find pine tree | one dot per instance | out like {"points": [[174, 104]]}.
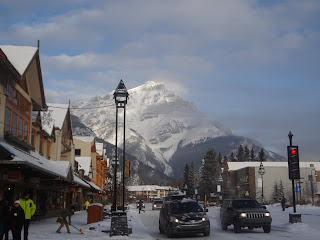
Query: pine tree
{"points": [[262, 157], [232, 158], [240, 154], [191, 184], [275, 194], [246, 154], [252, 155], [219, 159], [281, 190], [225, 159], [209, 174]]}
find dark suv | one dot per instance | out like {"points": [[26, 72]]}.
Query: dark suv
{"points": [[180, 216], [244, 212]]}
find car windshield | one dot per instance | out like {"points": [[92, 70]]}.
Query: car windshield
{"points": [[185, 207], [158, 202], [246, 204]]}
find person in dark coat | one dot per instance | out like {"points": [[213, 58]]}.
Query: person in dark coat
{"points": [[140, 206], [283, 203], [17, 220], [62, 219], [4, 217]]}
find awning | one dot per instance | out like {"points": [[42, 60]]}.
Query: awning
{"points": [[77, 180], [33, 160], [94, 186]]}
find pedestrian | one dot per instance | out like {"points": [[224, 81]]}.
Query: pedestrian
{"points": [[283, 203], [86, 204], [17, 218], [4, 217], [29, 209], [62, 219], [140, 205]]}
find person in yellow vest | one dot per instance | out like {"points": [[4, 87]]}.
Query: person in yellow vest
{"points": [[29, 209], [86, 204]]}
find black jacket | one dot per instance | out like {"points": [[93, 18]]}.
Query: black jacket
{"points": [[4, 211], [17, 216]]}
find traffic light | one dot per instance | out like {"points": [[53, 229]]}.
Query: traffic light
{"points": [[293, 162], [127, 169]]}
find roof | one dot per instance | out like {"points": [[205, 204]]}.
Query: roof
{"points": [[85, 139], [84, 163], [54, 116], [57, 168], [81, 182], [93, 185], [144, 188], [99, 148], [19, 56], [232, 166]]}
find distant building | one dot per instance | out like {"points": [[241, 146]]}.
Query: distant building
{"points": [[240, 178]]}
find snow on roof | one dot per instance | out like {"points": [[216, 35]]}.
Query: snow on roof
{"points": [[59, 168], [85, 139], [84, 163], [81, 182], [153, 188], [232, 166], [19, 56], [94, 186], [57, 112], [99, 148]]}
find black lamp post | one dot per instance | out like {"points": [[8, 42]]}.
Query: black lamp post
{"points": [[121, 97], [261, 172]]}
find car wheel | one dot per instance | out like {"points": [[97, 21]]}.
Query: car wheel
{"points": [[237, 228], [160, 229], [267, 228], [168, 231], [206, 234], [224, 226]]}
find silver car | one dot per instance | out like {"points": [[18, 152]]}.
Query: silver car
{"points": [[157, 204]]}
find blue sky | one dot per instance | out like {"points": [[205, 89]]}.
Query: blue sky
{"points": [[252, 65]]}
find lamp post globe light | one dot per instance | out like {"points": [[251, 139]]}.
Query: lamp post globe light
{"points": [[120, 96], [261, 172]]}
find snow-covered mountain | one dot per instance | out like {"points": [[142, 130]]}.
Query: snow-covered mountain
{"points": [[160, 127]]}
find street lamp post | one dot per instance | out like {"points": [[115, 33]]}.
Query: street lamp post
{"points": [[120, 96], [261, 172]]}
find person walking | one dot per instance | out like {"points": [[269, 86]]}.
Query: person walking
{"points": [[62, 219], [283, 203], [4, 217], [29, 209], [140, 206], [86, 204], [17, 218]]}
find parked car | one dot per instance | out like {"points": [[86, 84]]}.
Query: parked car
{"points": [[244, 212], [182, 216], [137, 203], [157, 204]]}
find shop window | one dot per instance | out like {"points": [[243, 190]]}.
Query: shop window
{"points": [[17, 114], [77, 152]]}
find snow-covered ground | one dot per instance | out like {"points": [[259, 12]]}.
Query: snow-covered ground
{"points": [[145, 226]]}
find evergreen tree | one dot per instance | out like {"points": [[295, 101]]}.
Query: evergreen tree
{"points": [[219, 159], [209, 174], [225, 159], [252, 155], [191, 184], [246, 154], [275, 194], [232, 158], [240, 154], [262, 157], [281, 189]]}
